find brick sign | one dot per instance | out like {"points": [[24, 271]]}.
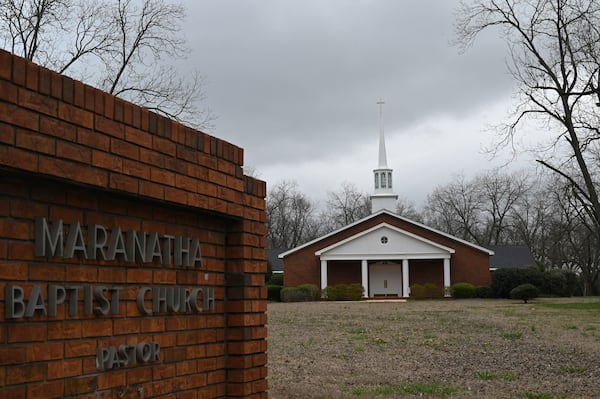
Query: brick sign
{"points": [[132, 252]]}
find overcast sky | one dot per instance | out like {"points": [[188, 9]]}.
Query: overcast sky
{"points": [[295, 83]]}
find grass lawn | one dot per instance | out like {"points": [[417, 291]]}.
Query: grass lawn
{"points": [[549, 348]]}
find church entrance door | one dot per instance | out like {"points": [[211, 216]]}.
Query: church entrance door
{"points": [[385, 279]]}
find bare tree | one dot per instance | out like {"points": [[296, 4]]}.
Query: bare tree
{"points": [[534, 223], [584, 257], [481, 210], [26, 23], [498, 195], [455, 209], [123, 47], [289, 216], [578, 246], [555, 60], [346, 206], [549, 219], [408, 210]]}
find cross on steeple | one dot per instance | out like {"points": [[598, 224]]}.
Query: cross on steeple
{"points": [[383, 196]]}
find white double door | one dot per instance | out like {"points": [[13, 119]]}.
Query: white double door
{"points": [[385, 279]]}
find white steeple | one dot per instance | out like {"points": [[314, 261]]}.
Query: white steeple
{"points": [[383, 197], [382, 152]]}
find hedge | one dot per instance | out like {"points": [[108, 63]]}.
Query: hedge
{"points": [[301, 293], [559, 282], [464, 290], [504, 280], [484, 292], [344, 292], [432, 290], [428, 290], [274, 292], [554, 282]]}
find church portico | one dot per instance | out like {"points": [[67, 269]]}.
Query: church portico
{"points": [[381, 260], [387, 277]]}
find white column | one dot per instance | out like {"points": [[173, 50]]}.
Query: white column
{"points": [[323, 274], [447, 292], [364, 272], [405, 281]]}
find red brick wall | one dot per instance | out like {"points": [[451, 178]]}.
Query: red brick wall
{"points": [[302, 267], [69, 151], [343, 272], [467, 264], [427, 271]]}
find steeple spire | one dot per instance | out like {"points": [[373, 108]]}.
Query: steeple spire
{"points": [[382, 152], [383, 196]]}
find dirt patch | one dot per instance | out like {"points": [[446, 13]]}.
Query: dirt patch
{"points": [[433, 349]]}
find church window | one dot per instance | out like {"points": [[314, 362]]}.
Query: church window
{"points": [[383, 185], [384, 240], [390, 179], [376, 180]]}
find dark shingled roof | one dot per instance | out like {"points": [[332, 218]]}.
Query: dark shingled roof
{"points": [[506, 256], [273, 259]]}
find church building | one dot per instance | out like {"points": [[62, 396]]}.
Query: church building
{"points": [[385, 252]]}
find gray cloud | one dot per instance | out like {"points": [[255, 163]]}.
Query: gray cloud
{"points": [[297, 81]]}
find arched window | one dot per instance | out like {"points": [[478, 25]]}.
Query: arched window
{"points": [[390, 179], [383, 180], [376, 180]]}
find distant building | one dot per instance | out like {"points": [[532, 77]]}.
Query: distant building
{"points": [[274, 261], [385, 252], [509, 256]]}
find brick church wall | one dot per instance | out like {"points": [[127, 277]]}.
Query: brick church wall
{"points": [[468, 264], [428, 272], [73, 154], [343, 272]]}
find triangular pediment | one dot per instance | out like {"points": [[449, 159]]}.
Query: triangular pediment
{"points": [[384, 241], [380, 214]]}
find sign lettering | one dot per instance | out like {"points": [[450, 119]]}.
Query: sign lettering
{"points": [[55, 239], [102, 300]]}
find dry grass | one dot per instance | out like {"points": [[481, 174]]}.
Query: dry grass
{"points": [[434, 349]]}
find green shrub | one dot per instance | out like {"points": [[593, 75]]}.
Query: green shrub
{"points": [[557, 282], [463, 290], [293, 294], [524, 292], [554, 282], [274, 292], [504, 280], [484, 292], [312, 290], [424, 291], [573, 285], [344, 292], [301, 293], [276, 279], [418, 291], [432, 290]]}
